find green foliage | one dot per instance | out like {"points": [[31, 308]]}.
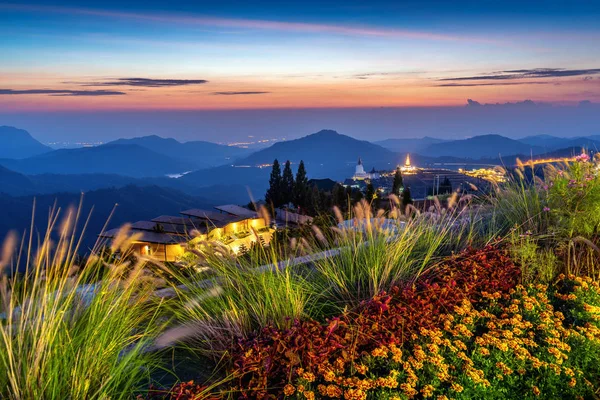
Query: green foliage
{"points": [[72, 331], [238, 301], [274, 196], [574, 198], [521, 204], [287, 182], [538, 263], [398, 182], [301, 189], [406, 197]]}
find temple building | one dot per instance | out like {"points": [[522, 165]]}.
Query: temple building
{"points": [[408, 168], [360, 174]]}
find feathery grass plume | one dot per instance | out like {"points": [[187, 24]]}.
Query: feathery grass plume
{"points": [[319, 235], [371, 259], [452, 200], [79, 336], [338, 214], [264, 213], [248, 298]]}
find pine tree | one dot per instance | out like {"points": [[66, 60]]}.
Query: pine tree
{"points": [[446, 186], [301, 189], [370, 194], [398, 182], [273, 196], [357, 195], [287, 182], [406, 197], [339, 197]]}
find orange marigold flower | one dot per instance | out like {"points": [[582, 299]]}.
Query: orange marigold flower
{"points": [[289, 390], [334, 391], [573, 382], [361, 368], [536, 391], [427, 391], [309, 376], [456, 387]]}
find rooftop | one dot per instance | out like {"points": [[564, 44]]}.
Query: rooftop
{"points": [[148, 236], [237, 211]]}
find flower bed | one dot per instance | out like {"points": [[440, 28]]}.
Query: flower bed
{"points": [[466, 330], [268, 362]]}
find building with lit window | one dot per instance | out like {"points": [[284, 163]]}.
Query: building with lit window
{"points": [[166, 237]]}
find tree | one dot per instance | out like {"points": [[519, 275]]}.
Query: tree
{"points": [[398, 182], [273, 195], [287, 183], [357, 195], [339, 196], [370, 193], [406, 198], [446, 186], [301, 189]]}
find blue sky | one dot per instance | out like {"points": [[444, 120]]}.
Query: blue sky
{"points": [[92, 56]]}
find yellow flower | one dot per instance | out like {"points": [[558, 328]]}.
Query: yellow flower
{"points": [[456, 387], [309, 395], [309, 376], [361, 369], [380, 352], [573, 382], [427, 391], [334, 391], [536, 391], [289, 390]]}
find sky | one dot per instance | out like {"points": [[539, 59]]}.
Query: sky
{"points": [[144, 63]]}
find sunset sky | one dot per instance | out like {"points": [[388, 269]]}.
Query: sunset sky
{"points": [[221, 55]]}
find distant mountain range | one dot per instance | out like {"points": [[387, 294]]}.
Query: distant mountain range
{"points": [[127, 159], [489, 146], [485, 146], [134, 203], [413, 145], [324, 148], [228, 173], [18, 143], [200, 154], [133, 172]]}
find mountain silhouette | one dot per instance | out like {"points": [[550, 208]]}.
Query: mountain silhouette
{"points": [[18, 143], [324, 148], [127, 160], [200, 154], [484, 146], [411, 145]]}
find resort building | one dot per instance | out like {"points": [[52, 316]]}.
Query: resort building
{"points": [[166, 237]]}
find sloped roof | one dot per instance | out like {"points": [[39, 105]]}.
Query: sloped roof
{"points": [[204, 214], [237, 210], [148, 236]]}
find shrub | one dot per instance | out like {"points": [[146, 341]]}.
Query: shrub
{"points": [[574, 198]]}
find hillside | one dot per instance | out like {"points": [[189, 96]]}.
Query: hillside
{"points": [[484, 146], [18, 143], [134, 203], [14, 183], [550, 143], [411, 145], [326, 148], [127, 160], [201, 154]]}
